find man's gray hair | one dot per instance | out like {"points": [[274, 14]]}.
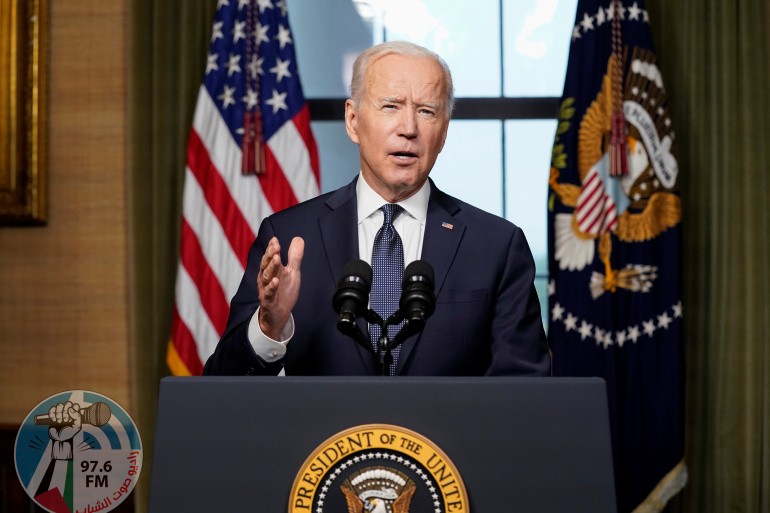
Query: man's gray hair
{"points": [[370, 55]]}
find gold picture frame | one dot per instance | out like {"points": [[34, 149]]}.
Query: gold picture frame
{"points": [[22, 112]]}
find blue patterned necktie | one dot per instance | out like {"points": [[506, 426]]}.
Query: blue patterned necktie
{"points": [[388, 270]]}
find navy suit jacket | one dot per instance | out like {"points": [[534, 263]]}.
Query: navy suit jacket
{"points": [[487, 318]]}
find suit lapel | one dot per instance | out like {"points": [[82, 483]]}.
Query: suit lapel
{"points": [[339, 231], [443, 233]]}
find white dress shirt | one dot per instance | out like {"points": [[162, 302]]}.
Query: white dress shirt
{"points": [[410, 224]]}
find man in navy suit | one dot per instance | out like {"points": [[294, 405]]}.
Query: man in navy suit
{"points": [[487, 316]]}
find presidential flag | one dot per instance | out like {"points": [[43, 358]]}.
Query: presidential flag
{"points": [[250, 153], [614, 228]]}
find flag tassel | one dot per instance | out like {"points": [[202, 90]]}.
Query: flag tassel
{"points": [[617, 149], [253, 146], [618, 146]]}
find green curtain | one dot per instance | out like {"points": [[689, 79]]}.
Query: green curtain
{"points": [[715, 60], [167, 56]]}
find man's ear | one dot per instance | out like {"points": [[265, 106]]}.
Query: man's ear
{"points": [[443, 137], [351, 121]]}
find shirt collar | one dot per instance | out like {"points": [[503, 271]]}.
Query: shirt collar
{"points": [[369, 201]]}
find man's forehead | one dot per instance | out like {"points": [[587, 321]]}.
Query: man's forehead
{"points": [[396, 64], [424, 78]]}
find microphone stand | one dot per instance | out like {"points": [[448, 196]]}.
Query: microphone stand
{"points": [[384, 344], [386, 358], [347, 325]]}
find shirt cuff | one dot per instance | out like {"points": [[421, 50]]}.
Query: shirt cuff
{"points": [[265, 347]]}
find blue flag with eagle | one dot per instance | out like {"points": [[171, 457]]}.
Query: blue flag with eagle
{"points": [[614, 228]]}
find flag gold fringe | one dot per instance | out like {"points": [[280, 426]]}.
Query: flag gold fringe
{"points": [[175, 363], [670, 485]]}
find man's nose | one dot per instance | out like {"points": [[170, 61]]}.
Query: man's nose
{"points": [[408, 123]]}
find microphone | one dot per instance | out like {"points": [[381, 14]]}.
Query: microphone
{"points": [[351, 299], [418, 299], [98, 414]]}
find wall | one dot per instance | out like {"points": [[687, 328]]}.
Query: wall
{"points": [[63, 287]]}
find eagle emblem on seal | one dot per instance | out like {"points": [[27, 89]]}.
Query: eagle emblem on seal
{"points": [[634, 207], [378, 490]]}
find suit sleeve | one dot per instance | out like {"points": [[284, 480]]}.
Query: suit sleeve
{"points": [[519, 344], [234, 354]]}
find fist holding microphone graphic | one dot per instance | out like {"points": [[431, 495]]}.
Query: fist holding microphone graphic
{"points": [[66, 420]]}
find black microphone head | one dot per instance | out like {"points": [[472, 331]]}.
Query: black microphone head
{"points": [[418, 289], [352, 295], [359, 269], [419, 270]]}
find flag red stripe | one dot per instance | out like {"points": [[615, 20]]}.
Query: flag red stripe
{"points": [[598, 219], [609, 211], [591, 193], [276, 187], [185, 345], [604, 220], [302, 122], [592, 225], [588, 213], [593, 180], [212, 295], [218, 197], [589, 207]]}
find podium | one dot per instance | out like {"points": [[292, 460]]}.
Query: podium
{"points": [[237, 444]]}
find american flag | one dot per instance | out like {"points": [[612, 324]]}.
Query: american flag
{"points": [[251, 71]]}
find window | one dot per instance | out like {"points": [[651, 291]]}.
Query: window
{"points": [[508, 60]]}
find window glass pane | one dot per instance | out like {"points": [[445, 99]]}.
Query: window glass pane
{"points": [[470, 167], [337, 153], [328, 35], [536, 41], [466, 35], [527, 166], [325, 54]]}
